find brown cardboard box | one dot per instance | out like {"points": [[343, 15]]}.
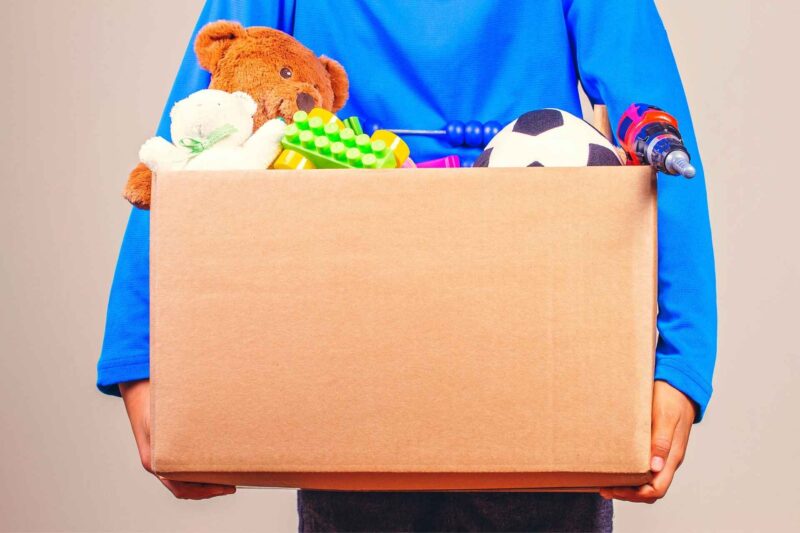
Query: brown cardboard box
{"points": [[397, 329]]}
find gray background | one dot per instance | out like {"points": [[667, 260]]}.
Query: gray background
{"points": [[84, 83]]}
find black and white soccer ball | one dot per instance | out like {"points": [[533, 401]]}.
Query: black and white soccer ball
{"points": [[548, 138]]}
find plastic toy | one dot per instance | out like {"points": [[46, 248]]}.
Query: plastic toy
{"points": [[649, 135], [326, 142], [326, 116], [451, 161], [548, 138], [396, 145], [473, 134], [291, 160], [354, 124]]}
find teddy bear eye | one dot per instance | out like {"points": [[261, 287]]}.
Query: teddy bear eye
{"points": [[286, 72]]}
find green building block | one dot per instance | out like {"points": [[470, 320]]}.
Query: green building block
{"points": [[354, 124], [327, 146]]}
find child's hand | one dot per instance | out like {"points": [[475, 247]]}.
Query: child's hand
{"points": [[137, 402], [673, 416]]}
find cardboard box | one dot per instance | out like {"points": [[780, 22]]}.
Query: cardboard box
{"points": [[395, 329]]}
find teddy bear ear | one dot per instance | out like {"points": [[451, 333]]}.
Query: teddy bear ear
{"points": [[339, 82], [214, 40], [247, 102]]}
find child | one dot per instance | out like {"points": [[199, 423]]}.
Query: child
{"points": [[419, 64]]}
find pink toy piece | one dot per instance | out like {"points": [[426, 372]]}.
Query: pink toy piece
{"points": [[451, 161], [408, 163]]}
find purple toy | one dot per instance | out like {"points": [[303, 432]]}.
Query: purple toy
{"points": [[451, 161]]}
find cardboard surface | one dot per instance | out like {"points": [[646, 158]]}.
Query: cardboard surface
{"points": [[397, 329]]}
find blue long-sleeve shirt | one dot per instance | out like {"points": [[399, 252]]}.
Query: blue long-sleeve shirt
{"points": [[419, 64]]}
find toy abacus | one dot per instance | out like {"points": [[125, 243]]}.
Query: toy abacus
{"points": [[472, 134]]}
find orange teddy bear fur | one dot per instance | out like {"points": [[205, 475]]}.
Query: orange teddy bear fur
{"points": [[279, 73]]}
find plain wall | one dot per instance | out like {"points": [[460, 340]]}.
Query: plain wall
{"points": [[83, 85]]}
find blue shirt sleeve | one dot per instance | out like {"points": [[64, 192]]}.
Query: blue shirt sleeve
{"points": [[125, 355], [624, 56]]}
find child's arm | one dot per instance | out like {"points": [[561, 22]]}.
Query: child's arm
{"points": [[624, 56], [125, 356]]}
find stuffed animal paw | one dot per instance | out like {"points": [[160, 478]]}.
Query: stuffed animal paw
{"points": [[159, 154]]}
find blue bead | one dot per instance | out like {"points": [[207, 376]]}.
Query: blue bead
{"points": [[490, 129], [473, 134], [455, 133]]}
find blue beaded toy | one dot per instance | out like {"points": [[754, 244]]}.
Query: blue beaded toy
{"points": [[473, 134]]}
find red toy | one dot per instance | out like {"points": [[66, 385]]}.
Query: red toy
{"points": [[649, 135]]}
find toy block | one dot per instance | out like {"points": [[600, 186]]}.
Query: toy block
{"points": [[326, 116], [395, 144], [354, 124], [291, 160], [325, 145]]}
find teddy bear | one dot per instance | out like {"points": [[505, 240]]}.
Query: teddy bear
{"points": [[213, 130], [274, 68]]}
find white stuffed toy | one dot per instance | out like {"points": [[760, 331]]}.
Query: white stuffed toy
{"points": [[213, 130]]}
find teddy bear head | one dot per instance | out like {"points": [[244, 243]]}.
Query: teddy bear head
{"points": [[279, 73], [210, 110]]}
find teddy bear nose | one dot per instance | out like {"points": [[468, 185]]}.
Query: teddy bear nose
{"points": [[305, 102]]}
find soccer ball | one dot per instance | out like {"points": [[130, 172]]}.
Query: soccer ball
{"points": [[548, 138]]}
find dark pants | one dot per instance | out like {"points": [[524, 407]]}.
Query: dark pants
{"points": [[452, 511]]}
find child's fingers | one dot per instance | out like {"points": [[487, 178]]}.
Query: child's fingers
{"points": [[659, 485], [663, 431], [662, 480], [630, 494], [196, 491], [649, 493]]}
